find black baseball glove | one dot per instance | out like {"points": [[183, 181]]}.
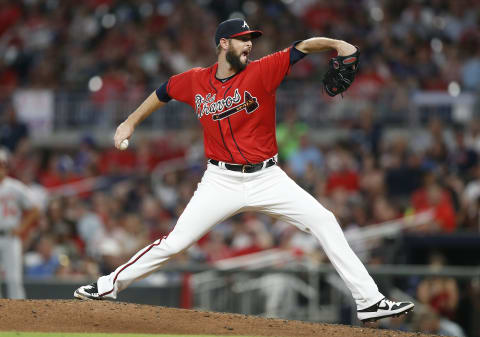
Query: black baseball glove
{"points": [[341, 73]]}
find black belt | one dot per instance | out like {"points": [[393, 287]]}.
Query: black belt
{"points": [[5, 232], [247, 168]]}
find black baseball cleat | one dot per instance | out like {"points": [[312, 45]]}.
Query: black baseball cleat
{"points": [[384, 308], [88, 292]]}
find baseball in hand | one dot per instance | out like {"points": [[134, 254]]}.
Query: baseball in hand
{"points": [[124, 144]]}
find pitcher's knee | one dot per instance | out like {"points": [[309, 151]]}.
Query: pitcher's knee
{"points": [[326, 218], [331, 217]]}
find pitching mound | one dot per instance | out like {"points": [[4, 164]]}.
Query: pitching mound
{"points": [[105, 316]]}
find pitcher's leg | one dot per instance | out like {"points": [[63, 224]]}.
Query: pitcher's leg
{"points": [[288, 201], [216, 199], [13, 269]]}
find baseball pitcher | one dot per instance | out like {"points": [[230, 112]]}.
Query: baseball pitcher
{"points": [[17, 214], [234, 101]]}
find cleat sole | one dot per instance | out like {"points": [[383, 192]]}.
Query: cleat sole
{"points": [[374, 319], [80, 296]]}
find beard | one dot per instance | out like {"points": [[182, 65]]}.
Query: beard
{"points": [[234, 61]]}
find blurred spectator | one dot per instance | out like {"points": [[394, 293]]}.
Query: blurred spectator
{"points": [[464, 158], [43, 262], [301, 243], [216, 247], [372, 179], [437, 140], [114, 83], [86, 158], [471, 72], [249, 235], [368, 132], [472, 135], [117, 163], [368, 83], [310, 179], [431, 323], [136, 232], [383, 210], [60, 171], [167, 191], [341, 166], [289, 133], [471, 201], [403, 171], [306, 154], [439, 293], [56, 217], [433, 196], [111, 245], [10, 14], [88, 224], [155, 217], [91, 43], [12, 131]]}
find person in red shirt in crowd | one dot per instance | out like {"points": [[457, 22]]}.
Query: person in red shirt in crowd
{"points": [[433, 196], [10, 14], [60, 171], [439, 293], [342, 175]]}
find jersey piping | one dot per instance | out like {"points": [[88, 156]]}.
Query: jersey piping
{"points": [[231, 130], [218, 122], [233, 137], [223, 139]]}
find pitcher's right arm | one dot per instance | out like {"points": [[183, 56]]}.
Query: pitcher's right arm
{"points": [[126, 128]]}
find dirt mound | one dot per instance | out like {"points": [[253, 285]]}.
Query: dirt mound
{"points": [[106, 316]]}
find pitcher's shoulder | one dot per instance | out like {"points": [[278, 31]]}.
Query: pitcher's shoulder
{"points": [[203, 70]]}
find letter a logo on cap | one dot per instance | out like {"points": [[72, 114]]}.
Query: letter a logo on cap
{"points": [[245, 25]]}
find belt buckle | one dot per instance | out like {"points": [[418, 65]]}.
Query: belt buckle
{"points": [[246, 166]]}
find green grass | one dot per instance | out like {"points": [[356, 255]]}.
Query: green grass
{"points": [[68, 334]]}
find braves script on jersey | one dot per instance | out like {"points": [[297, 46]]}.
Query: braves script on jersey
{"points": [[238, 115]]}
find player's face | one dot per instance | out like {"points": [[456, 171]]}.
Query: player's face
{"points": [[238, 51]]}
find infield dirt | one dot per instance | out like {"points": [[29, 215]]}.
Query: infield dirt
{"points": [[106, 316]]}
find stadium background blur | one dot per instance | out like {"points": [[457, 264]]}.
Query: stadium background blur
{"points": [[405, 138]]}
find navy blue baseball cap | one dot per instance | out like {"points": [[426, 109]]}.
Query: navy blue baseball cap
{"points": [[234, 28]]}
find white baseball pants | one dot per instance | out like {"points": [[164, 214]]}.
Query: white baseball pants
{"points": [[11, 263], [223, 193]]}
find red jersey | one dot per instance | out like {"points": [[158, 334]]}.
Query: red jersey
{"points": [[237, 115]]}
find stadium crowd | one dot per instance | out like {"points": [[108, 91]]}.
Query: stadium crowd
{"points": [[100, 205], [411, 44]]}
